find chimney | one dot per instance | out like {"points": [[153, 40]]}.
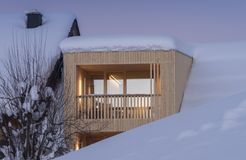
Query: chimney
{"points": [[34, 19]]}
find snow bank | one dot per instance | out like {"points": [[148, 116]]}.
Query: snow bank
{"points": [[218, 71], [122, 43], [212, 131]]}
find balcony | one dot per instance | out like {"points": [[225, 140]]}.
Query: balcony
{"points": [[117, 91], [130, 106]]}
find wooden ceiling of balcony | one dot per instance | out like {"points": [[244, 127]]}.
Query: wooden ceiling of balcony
{"points": [[116, 67]]}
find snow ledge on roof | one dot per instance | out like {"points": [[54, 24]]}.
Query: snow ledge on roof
{"points": [[122, 43]]}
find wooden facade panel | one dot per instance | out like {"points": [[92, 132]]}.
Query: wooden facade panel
{"points": [[116, 125], [167, 86], [139, 57], [69, 94], [183, 66], [172, 81]]}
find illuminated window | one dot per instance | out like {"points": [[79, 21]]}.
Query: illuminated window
{"points": [[115, 84]]}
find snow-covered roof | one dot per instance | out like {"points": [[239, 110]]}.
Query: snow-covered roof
{"points": [[122, 43], [55, 28], [215, 131]]}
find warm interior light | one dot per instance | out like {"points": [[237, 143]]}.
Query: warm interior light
{"points": [[80, 87], [80, 101], [111, 77], [77, 145]]}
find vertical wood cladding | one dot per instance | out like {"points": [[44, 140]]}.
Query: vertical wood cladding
{"points": [[174, 68]]}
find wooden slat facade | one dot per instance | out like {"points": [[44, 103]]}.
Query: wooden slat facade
{"points": [[172, 67]]}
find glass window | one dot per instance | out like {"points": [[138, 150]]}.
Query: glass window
{"points": [[120, 79], [138, 83], [115, 83], [97, 86]]}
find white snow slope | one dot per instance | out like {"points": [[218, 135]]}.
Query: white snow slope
{"points": [[216, 131], [212, 124], [218, 71]]}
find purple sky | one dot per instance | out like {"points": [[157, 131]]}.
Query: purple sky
{"points": [[188, 20]]}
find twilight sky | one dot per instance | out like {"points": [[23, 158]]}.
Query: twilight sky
{"points": [[188, 20]]}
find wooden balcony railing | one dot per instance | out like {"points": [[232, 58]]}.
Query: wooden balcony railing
{"points": [[137, 106]]}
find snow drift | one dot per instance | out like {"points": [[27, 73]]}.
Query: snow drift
{"points": [[218, 71], [212, 131]]}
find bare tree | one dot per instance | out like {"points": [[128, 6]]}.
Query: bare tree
{"points": [[32, 106]]}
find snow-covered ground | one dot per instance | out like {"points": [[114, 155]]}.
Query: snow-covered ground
{"points": [[214, 131], [212, 124]]}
